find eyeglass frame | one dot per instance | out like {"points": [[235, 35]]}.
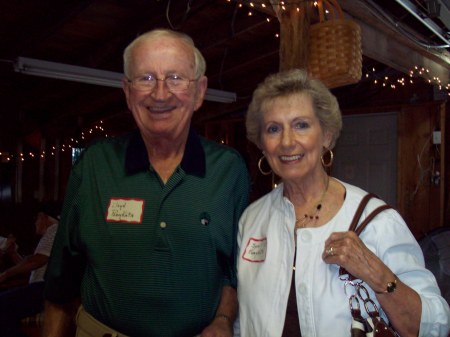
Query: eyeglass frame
{"points": [[188, 81]]}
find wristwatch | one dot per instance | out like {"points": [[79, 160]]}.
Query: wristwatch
{"points": [[390, 287]]}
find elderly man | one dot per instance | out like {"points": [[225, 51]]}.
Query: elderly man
{"points": [[147, 238]]}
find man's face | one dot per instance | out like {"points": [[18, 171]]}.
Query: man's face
{"points": [[41, 223], [160, 112]]}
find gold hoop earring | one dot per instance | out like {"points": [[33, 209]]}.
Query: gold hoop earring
{"points": [[330, 162], [266, 173]]}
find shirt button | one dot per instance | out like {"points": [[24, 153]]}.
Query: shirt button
{"points": [[163, 225], [306, 236], [302, 289]]}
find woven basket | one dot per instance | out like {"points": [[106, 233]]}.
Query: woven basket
{"points": [[335, 55]]}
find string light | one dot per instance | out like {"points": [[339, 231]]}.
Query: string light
{"points": [[96, 130], [416, 72]]}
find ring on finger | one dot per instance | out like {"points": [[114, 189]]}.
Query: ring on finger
{"points": [[330, 251]]}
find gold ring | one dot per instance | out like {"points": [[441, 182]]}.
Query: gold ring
{"points": [[330, 251]]}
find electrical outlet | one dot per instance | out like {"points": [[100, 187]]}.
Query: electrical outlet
{"points": [[435, 178], [436, 137]]}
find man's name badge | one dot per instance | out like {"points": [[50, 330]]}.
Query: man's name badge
{"points": [[125, 210]]}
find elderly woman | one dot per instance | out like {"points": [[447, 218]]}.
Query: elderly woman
{"points": [[294, 240]]}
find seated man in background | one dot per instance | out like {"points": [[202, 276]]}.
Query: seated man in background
{"points": [[8, 252], [28, 300]]}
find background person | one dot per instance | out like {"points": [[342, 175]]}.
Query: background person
{"points": [[9, 252], [148, 230], [28, 300], [294, 239]]}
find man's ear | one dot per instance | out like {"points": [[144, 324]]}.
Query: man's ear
{"points": [[126, 87], [202, 85]]}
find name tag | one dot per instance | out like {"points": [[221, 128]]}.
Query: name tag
{"points": [[125, 210], [256, 250]]}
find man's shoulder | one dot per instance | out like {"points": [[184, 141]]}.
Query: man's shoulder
{"points": [[210, 147], [104, 145], [106, 142]]}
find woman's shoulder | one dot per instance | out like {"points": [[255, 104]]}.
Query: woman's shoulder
{"points": [[268, 200], [388, 222], [355, 194]]}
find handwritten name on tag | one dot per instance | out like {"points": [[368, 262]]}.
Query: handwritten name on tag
{"points": [[125, 210], [256, 250]]}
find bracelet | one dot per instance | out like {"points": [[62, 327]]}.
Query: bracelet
{"points": [[223, 317]]}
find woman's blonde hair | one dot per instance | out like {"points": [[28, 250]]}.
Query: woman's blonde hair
{"points": [[292, 82]]}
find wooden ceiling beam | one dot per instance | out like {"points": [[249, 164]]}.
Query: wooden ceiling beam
{"points": [[386, 44]]}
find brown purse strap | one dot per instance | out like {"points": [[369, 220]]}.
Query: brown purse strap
{"points": [[359, 210], [358, 229], [372, 215]]}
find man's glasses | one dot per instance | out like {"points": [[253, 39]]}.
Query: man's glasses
{"points": [[174, 83]]}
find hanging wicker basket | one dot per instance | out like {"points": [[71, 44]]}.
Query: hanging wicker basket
{"points": [[335, 55]]}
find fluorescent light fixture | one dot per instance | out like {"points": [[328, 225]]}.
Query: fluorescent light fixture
{"points": [[68, 72], [214, 95], [106, 78]]}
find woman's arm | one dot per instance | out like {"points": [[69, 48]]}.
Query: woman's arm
{"points": [[402, 306]]}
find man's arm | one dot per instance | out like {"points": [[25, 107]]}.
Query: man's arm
{"points": [[59, 319], [11, 250], [222, 325], [25, 266]]}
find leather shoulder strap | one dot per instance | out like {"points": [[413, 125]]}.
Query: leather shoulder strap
{"points": [[359, 210], [364, 223], [372, 215]]}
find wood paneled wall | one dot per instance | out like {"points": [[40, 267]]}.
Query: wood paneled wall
{"points": [[421, 183]]}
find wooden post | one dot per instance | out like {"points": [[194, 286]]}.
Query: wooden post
{"points": [[42, 157], [18, 193], [294, 21], [56, 175]]}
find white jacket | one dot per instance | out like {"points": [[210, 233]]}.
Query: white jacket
{"points": [[266, 253]]}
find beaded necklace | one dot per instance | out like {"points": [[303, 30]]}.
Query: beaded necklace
{"points": [[308, 218]]}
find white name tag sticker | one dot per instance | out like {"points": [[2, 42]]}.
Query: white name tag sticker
{"points": [[256, 250], [125, 210]]}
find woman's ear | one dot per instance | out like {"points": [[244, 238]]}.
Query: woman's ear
{"points": [[328, 138]]}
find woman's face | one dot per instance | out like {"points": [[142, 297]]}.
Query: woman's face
{"points": [[292, 137]]}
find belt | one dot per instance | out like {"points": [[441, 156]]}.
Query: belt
{"points": [[88, 326]]}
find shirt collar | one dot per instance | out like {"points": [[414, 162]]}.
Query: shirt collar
{"points": [[193, 162]]}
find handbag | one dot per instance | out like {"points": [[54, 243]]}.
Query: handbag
{"points": [[374, 325]]}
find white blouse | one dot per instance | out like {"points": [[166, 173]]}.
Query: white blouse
{"points": [[266, 254]]}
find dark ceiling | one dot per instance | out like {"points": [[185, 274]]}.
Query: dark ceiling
{"points": [[240, 50]]}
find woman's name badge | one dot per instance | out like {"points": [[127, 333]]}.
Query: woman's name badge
{"points": [[255, 250], [125, 210]]}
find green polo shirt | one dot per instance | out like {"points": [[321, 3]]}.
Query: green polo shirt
{"points": [[148, 258]]}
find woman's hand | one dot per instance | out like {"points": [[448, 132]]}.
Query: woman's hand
{"points": [[403, 306], [348, 251]]}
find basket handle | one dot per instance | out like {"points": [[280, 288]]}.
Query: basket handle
{"points": [[332, 6]]}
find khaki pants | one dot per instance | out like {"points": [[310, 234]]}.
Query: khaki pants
{"points": [[88, 326]]}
